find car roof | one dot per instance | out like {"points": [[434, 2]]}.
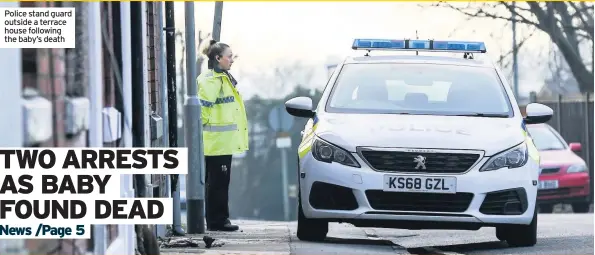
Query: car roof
{"points": [[412, 59]]}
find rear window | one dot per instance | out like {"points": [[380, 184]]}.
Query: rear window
{"points": [[419, 89]]}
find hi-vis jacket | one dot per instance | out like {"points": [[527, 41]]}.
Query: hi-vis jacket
{"points": [[225, 125]]}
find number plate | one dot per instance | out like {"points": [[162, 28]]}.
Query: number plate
{"points": [[551, 184], [425, 184]]}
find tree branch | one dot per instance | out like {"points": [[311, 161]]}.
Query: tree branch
{"points": [[570, 34], [565, 24], [515, 10], [519, 46], [586, 20], [481, 13]]}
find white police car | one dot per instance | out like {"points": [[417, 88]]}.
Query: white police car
{"points": [[418, 142]]}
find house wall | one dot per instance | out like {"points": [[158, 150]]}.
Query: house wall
{"points": [[59, 75], [11, 115], [44, 74]]}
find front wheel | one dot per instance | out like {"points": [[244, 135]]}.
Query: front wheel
{"points": [[310, 229], [519, 235]]}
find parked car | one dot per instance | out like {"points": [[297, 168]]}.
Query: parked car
{"points": [[564, 176], [418, 142]]}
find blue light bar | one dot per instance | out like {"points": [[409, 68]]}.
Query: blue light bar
{"points": [[379, 44], [419, 45]]}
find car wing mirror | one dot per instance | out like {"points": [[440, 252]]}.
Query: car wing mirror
{"points": [[300, 107], [576, 147], [538, 113]]}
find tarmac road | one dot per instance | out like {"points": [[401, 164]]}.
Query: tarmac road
{"points": [[570, 234], [557, 234]]}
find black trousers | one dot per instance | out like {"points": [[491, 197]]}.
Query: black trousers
{"points": [[217, 189]]}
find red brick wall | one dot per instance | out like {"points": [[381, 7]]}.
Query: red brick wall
{"points": [[109, 84], [108, 74], [153, 39], [44, 70], [154, 51]]}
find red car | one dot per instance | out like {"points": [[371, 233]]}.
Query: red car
{"points": [[564, 177]]}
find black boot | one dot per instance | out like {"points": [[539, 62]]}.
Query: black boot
{"points": [[227, 226]]}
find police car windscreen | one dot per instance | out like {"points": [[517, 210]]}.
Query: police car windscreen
{"points": [[419, 89]]}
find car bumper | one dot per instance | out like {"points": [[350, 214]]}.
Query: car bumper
{"points": [[573, 187], [345, 194]]}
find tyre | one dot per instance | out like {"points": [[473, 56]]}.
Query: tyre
{"points": [[520, 235], [310, 229], [581, 207]]}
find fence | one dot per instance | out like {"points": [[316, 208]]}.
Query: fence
{"points": [[573, 119]]}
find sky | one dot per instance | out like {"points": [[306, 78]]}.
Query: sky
{"points": [[271, 34]]}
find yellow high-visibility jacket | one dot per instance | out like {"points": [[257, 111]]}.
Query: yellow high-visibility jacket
{"points": [[223, 115]]}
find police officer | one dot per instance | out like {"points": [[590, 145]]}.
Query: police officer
{"points": [[225, 131]]}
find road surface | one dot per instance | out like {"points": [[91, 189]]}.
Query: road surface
{"points": [[570, 234]]}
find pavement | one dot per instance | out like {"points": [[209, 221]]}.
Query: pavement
{"points": [[559, 233]]}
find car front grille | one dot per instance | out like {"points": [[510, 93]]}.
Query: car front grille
{"points": [[423, 202], [553, 192], [401, 161]]}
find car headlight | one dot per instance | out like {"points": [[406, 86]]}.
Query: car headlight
{"points": [[326, 152], [511, 158], [578, 168]]}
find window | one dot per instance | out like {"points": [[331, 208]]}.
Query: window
{"points": [[419, 89], [545, 139]]}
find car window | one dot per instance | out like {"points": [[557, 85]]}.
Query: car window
{"points": [[418, 89], [545, 139]]}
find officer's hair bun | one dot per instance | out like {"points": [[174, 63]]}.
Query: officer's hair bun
{"points": [[211, 49], [206, 47]]}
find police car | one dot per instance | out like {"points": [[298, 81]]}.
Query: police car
{"points": [[416, 140]]}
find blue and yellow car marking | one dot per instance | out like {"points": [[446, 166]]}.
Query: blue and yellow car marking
{"points": [[531, 148], [308, 137]]}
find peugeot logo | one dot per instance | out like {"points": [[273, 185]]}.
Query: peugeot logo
{"points": [[421, 162]]}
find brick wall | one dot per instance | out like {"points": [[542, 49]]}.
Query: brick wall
{"points": [[109, 82], [154, 34], [51, 83], [44, 71], [108, 72], [58, 73], [153, 37]]}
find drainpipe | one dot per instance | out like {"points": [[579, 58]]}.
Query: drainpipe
{"points": [[139, 83], [172, 106], [164, 188], [96, 103], [163, 74]]}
